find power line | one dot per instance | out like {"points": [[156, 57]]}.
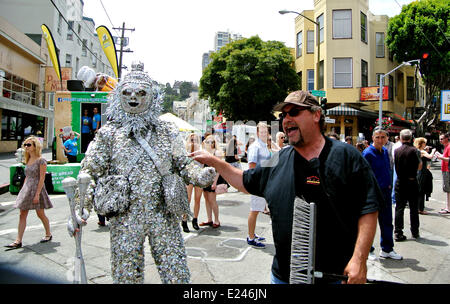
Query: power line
{"points": [[420, 29], [79, 38], [108, 17]]}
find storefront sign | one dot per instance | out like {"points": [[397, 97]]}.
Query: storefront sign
{"points": [[59, 172], [52, 83], [371, 93], [445, 105]]}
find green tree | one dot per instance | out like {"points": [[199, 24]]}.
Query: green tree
{"points": [[423, 26], [185, 89], [247, 77]]}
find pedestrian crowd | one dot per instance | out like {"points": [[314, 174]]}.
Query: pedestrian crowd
{"points": [[300, 162]]}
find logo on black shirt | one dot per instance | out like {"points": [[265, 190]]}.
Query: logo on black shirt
{"points": [[312, 180]]}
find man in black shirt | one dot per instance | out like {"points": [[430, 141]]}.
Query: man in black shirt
{"points": [[407, 163], [327, 172]]}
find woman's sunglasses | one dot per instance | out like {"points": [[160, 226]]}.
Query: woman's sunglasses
{"points": [[209, 142], [27, 145], [294, 111]]}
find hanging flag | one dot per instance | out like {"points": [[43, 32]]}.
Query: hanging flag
{"points": [[52, 51], [108, 46]]}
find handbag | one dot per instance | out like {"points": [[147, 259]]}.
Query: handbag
{"points": [[18, 177], [174, 188], [112, 193]]}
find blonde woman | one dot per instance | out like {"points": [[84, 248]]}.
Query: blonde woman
{"points": [[193, 143], [211, 145], [424, 176], [33, 194]]}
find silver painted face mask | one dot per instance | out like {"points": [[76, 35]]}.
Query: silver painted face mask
{"points": [[136, 98]]}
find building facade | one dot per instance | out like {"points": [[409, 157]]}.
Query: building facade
{"points": [[23, 108], [220, 40], [347, 63], [27, 74]]}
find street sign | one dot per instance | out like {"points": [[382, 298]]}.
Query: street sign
{"points": [[329, 120], [318, 93]]}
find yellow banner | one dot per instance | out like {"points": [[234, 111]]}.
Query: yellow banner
{"points": [[107, 43], [52, 50]]}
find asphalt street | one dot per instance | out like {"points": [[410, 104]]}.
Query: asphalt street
{"points": [[215, 256]]}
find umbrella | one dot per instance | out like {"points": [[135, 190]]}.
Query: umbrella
{"points": [[180, 123]]}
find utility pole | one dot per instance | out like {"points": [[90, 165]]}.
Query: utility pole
{"points": [[122, 39]]}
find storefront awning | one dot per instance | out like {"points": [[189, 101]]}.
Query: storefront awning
{"points": [[344, 110]]}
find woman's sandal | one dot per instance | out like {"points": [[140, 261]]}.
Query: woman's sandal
{"points": [[47, 238], [14, 245], [444, 211], [206, 224]]}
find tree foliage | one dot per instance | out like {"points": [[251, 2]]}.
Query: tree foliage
{"points": [[423, 26], [247, 77], [171, 95]]}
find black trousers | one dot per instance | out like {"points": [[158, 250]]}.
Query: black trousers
{"points": [[71, 158], [406, 192]]}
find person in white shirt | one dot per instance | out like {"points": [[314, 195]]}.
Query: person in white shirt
{"points": [[257, 153]]}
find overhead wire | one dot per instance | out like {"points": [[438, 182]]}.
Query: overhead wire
{"points": [[79, 38], [107, 15], [420, 29]]}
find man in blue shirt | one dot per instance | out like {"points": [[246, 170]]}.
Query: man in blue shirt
{"points": [[71, 147], [378, 158], [86, 123], [96, 121]]}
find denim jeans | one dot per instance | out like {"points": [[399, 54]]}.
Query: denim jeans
{"points": [[394, 179], [275, 280]]}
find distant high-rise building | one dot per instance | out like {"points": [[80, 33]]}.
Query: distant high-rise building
{"points": [[220, 39], [223, 38], [206, 59]]}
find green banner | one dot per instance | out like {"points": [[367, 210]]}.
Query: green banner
{"points": [[59, 172]]}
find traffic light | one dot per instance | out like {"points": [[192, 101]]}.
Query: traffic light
{"points": [[323, 103], [424, 66]]}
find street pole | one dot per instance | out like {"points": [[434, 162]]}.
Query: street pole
{"points": [[282, 12], [122, 38], [380, 108]]}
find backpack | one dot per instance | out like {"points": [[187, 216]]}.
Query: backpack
{"points": [[18, 177]]}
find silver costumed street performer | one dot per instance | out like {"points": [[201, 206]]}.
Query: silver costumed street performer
{"points": [[133, 113]]}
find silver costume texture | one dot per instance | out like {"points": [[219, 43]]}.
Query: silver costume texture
{"points": [[134, 107]]}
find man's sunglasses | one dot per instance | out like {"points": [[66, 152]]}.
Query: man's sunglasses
{"points": [[27, 145], [294, 111]]}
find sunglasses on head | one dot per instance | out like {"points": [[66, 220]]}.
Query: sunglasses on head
{"points": [[294, 111], [27, 145]]}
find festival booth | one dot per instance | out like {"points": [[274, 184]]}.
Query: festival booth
{"points": [[69, 109]]}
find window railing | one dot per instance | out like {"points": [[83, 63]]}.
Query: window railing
{"points": [[19, 89]]}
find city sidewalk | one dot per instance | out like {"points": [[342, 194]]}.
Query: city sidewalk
{"points": [[7, 159], [220, 256]]}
